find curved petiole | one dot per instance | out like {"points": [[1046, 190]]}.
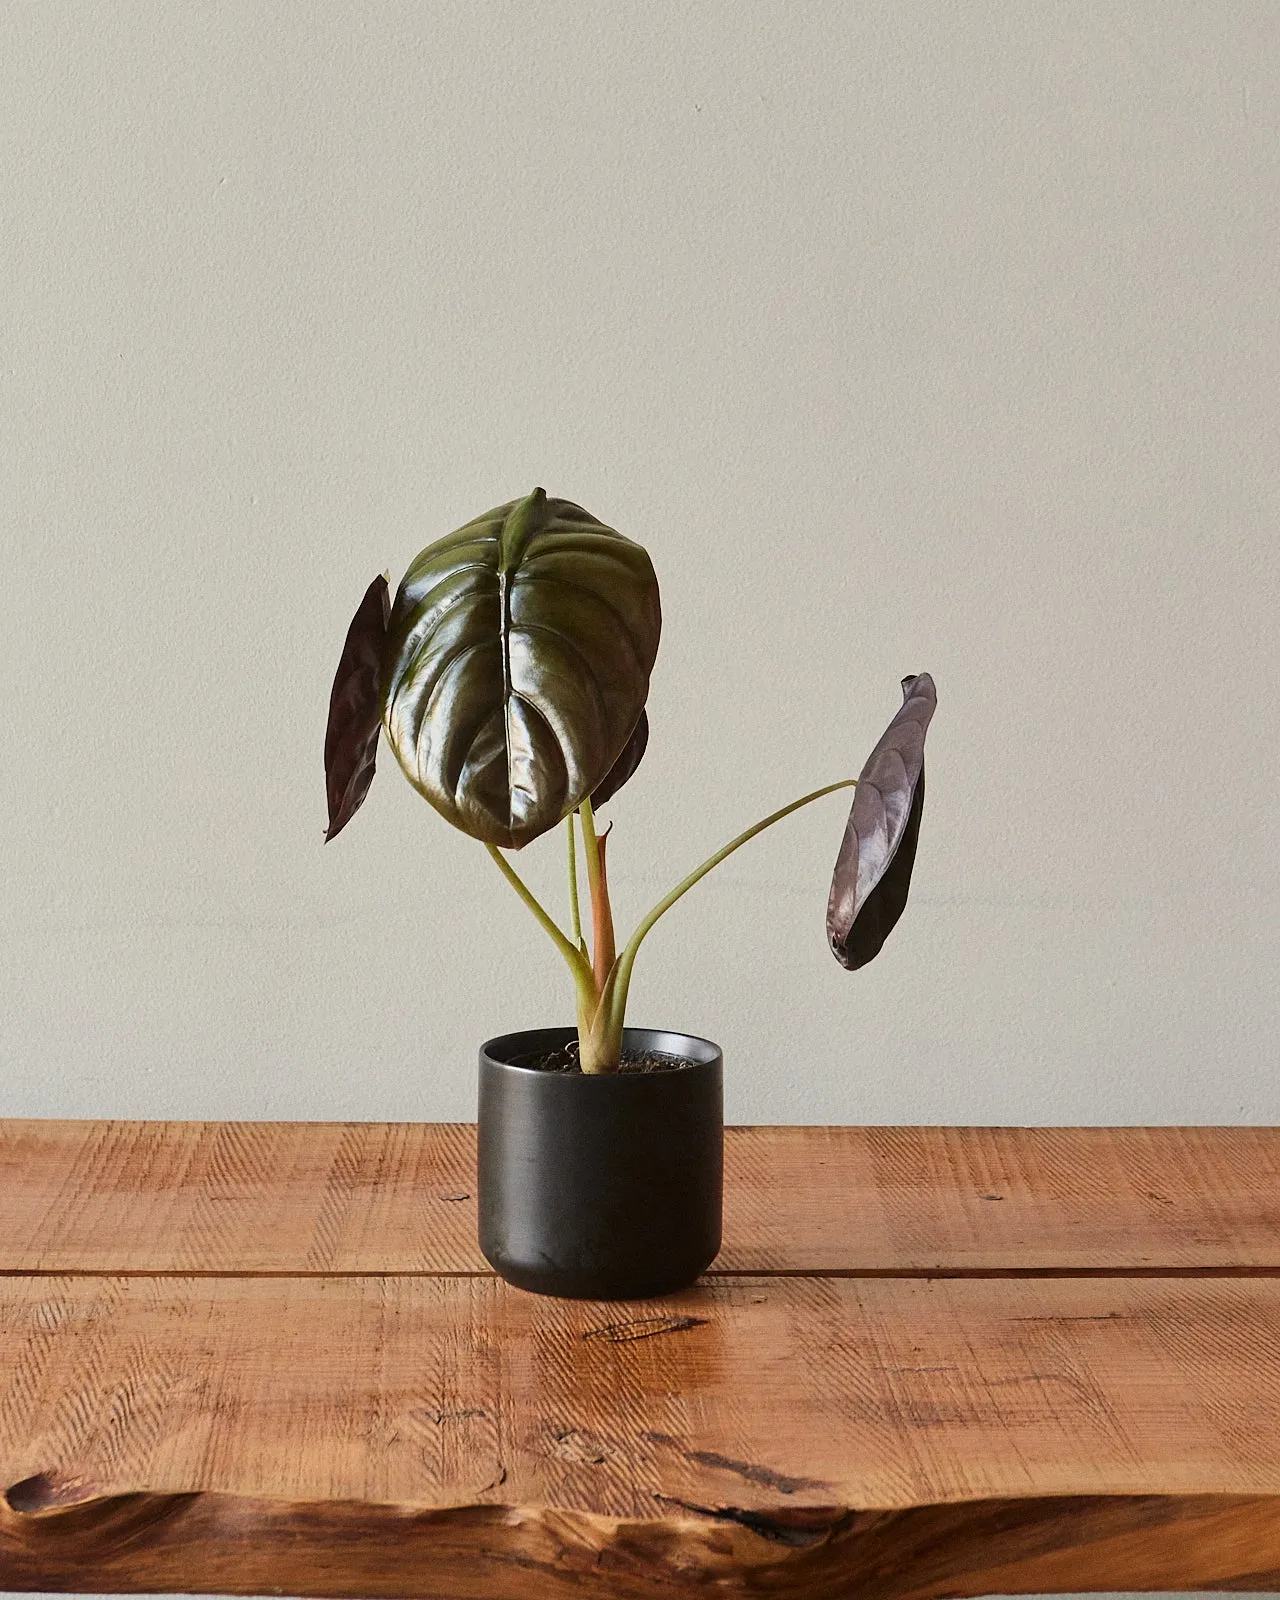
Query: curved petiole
{"points": [[620, 978], [576, 961]]}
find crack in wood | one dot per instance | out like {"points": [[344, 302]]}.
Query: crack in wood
{"points": [[1070, 1316], [437, 1415], [767, 1477], [643, 1328], [800, 1530]]}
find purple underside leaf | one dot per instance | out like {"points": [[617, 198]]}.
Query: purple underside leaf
{"points": [[624, 767], [355, 709], [873, 870]]}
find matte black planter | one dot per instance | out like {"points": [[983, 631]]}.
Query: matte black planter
{"points": [[600, 1186]]}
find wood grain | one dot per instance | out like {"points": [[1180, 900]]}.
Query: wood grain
{"points": [[399, 1197], [755, 1420], [219, 1544], [243, 1358], [875, 1394]]}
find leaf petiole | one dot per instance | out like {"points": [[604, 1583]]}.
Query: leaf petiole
{"points": [[575, 907], [620, 978], [591, 848], [575, 960]]}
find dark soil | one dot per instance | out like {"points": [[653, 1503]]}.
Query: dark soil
{"points": [[566, 1060]]}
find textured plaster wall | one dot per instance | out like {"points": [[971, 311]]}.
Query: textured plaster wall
{"points": [[906, 335]]}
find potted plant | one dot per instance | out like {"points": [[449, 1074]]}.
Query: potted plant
{"points": [[510, 678]]}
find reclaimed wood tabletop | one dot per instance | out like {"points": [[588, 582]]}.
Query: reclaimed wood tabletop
{"points": [[268, 1357]]}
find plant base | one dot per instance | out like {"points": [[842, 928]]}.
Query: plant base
{"points": [[600, 1186]]}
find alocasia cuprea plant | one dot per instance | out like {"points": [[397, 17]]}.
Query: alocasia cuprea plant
{"points": [[510, 677]]}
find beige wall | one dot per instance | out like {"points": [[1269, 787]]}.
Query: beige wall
{"points": [[906, 335]]}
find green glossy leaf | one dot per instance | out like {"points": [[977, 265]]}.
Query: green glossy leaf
{"points": [[873, 870], [624, 768], [518, 661], [355, 706]]}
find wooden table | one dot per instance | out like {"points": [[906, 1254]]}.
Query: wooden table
{"points": [[241, 1357]]}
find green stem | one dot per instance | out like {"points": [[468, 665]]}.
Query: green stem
{"points": [[591, 848], [576, 961], [575, 908], [621, 976]]}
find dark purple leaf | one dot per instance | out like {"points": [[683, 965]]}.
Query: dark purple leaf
{"points": [[355, 709], [873, 869], [624, 767]]}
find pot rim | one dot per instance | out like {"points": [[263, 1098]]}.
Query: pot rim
{"points": [[691, 1048]]}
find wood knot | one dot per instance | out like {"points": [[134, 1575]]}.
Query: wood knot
{"points": [[579, 1446]]}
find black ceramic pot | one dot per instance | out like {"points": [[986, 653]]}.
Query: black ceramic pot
{"points": [[600, 1186]]}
